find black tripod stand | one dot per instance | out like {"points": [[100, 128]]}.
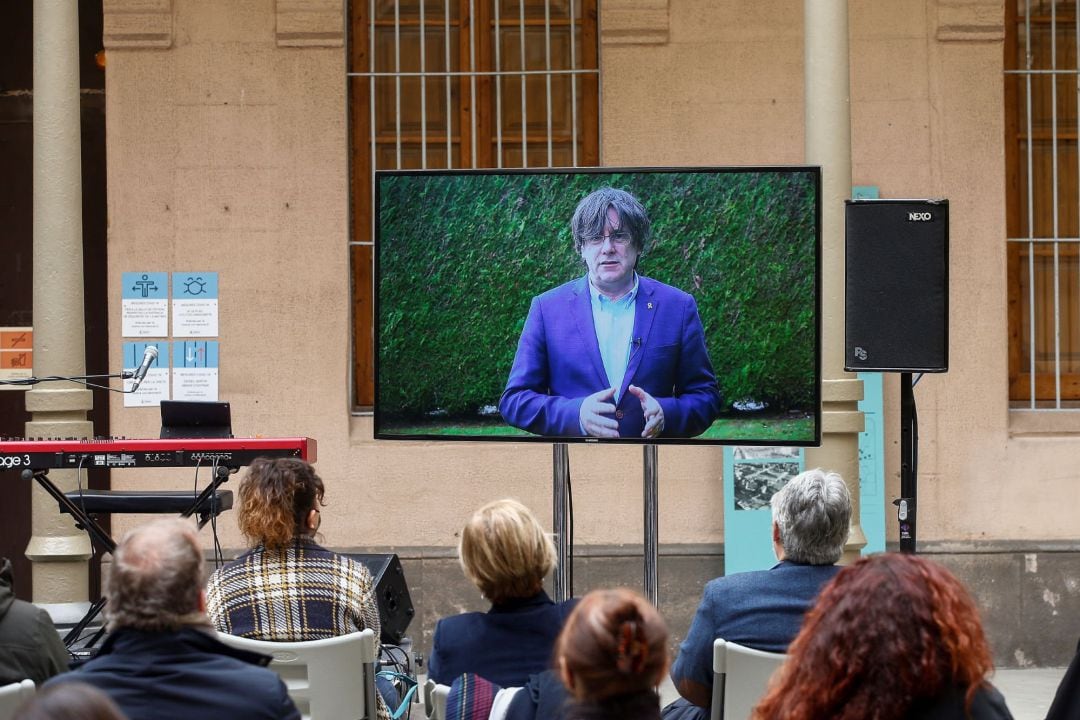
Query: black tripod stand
{"points": [[907, 503]]}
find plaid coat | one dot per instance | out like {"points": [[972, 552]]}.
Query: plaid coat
{"points": [[303, 592]]}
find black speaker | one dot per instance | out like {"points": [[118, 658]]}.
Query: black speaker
{"points": [[897, 286], [391, 593]]}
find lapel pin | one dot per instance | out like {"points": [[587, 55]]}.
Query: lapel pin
{"points": [[649, 305]]}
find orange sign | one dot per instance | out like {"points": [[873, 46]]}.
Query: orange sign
{"points": [[17, 360], [16, 339], [16, 355]]}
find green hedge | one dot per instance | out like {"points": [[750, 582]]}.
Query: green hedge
{"points": [[461, 256]]}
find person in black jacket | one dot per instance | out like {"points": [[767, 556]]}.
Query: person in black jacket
{"points": [[1066, 705], [161, 660], [29, 644]]}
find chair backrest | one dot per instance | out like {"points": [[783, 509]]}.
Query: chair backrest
{"points": [[330, 679], [435, 696], [14, 695], [740, 677]]}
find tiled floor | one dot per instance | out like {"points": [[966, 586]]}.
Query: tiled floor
{"points": [[1028, 692]]}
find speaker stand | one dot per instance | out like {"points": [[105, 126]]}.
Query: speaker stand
{"points": [[907, 503], [560, 520]]}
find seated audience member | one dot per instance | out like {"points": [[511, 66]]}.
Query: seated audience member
{"points": [[611, 656], [69, 701], [29, 644], [316, 593], [763, 609], [891, 637], [161, 660], [506, 554], [1066, 705]]}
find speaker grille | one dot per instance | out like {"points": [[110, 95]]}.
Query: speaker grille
{"points": [[897, 286]]}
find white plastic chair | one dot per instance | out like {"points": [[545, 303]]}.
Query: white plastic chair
{"points": [[14, 695], [435, 696], [740, 678], [330, 679]]}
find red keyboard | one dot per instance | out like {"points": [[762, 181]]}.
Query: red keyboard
{"points": [[173, 452]]}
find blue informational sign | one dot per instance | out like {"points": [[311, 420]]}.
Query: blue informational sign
{"points": [[195, 285], [195, 354], [133, 354], [145, 286], [872, 464]]}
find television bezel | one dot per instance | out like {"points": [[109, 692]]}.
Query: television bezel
{"points": [[814, 170]]}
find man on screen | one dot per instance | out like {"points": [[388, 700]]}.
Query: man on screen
{"points": [[612, 354]]}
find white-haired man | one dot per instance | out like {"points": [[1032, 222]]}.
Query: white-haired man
{"points": [[161, 660], [764, 609]]}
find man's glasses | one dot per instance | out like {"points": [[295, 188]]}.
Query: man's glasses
{"points": [[619, 238]]}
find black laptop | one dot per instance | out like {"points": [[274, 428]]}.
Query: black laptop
{"points": [[187, 419]]}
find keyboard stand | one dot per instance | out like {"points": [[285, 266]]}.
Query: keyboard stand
{"points": [[83, 505]]}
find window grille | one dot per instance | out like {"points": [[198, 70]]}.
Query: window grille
{"points": [[1042, 95], [461, 84]]}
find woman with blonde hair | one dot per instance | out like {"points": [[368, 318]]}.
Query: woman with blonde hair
{"points": [[505, 552]]}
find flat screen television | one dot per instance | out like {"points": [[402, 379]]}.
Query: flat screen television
{"points": [[626, 305]]}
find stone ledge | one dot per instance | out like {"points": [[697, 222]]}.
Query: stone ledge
{"points": [[635, 22], [969, 21], [310, 23], [137, 24]]}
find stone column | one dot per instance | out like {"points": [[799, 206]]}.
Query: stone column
{"points": [[828, 144], [58, 409]]}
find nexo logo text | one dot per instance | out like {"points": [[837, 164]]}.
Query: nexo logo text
{"points": [[919, 217]]}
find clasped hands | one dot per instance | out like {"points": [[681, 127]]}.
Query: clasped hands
{"points": [[597, 409]]}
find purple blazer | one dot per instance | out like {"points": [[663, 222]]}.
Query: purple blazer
{"points": [[558, 364]]}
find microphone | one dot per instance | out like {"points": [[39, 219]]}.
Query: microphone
{"points": [[148, 358]]}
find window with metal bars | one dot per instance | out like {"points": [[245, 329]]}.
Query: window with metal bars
{"points": [[1042, 95], [461, 84]]}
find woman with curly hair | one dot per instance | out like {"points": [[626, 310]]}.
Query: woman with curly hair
{"points": [[891, 637], [287, 587], [612, 654]]}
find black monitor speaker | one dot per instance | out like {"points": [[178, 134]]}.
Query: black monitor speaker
{"points": [[391, 594], [897, 286]]}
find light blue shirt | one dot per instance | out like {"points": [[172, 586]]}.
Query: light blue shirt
{"points": [[614, 324]]}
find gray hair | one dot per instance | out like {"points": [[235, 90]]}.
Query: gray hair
{"points": [[155, 578], [591, 214], [813, 515]]}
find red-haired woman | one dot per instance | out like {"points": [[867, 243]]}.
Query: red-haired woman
{"points": [[891, 637]]}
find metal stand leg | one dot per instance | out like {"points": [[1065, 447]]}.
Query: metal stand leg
{"points": [[560, 520], [907, 504], [652, 534]]}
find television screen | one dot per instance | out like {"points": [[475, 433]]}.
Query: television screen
{"points": [[605, 304]]}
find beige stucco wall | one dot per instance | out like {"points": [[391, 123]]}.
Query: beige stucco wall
{"points": [[227, 152]]}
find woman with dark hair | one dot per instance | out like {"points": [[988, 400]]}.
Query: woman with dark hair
{"points": [[611, 655], [287, 587], [891, 637], [69, 701]]}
